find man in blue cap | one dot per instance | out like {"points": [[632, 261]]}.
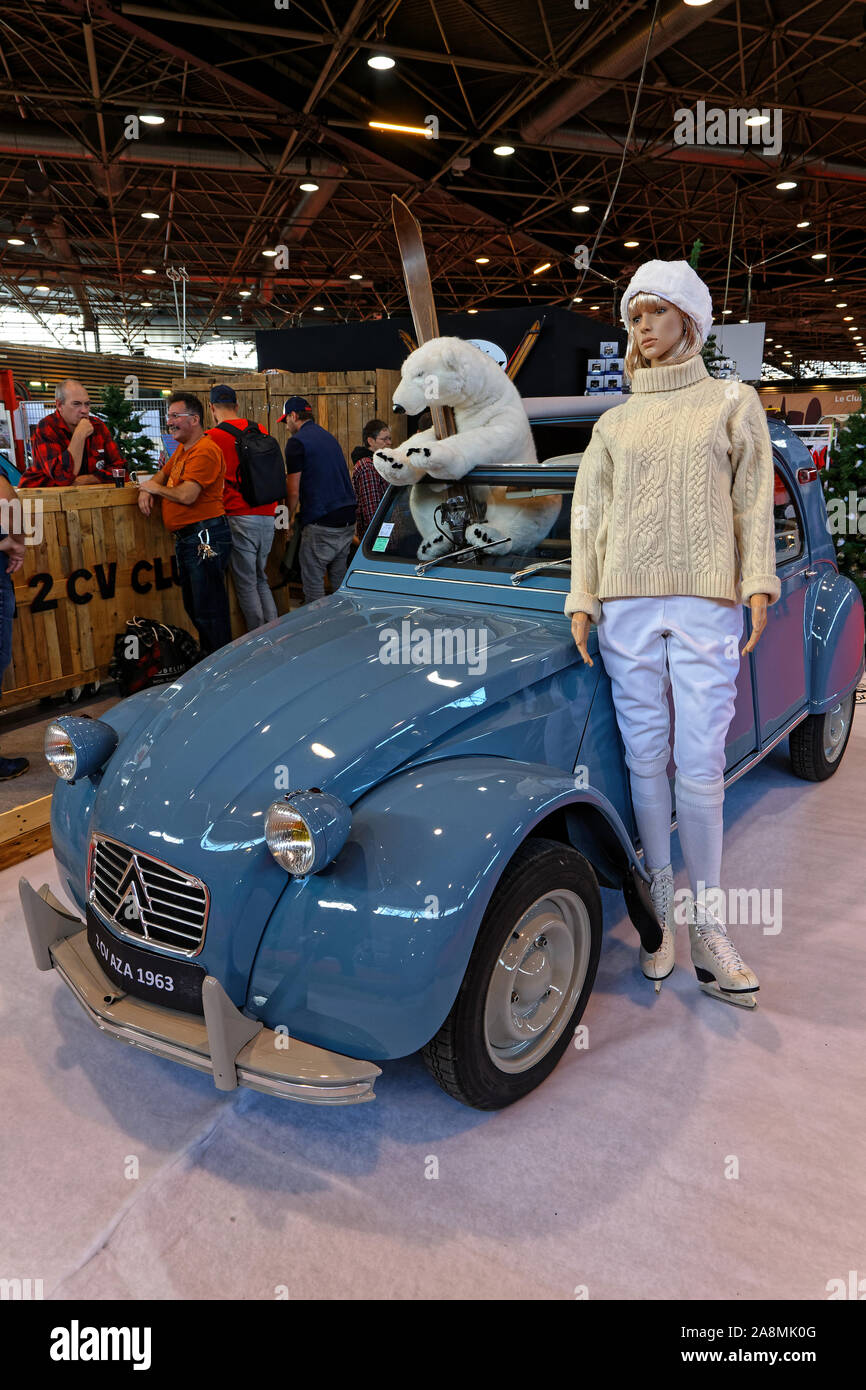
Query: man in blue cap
{"points": [[319, 477]]}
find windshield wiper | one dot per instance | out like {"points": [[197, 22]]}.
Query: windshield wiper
{"points": [[453, 554], [533, 569]]}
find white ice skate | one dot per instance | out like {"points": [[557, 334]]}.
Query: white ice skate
{"points": [[720, 968], [658, 965]]}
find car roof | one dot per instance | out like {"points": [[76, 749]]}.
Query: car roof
{"points": [[565, 408]]}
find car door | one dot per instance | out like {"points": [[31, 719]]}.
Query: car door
{"points": [[779, 661]]}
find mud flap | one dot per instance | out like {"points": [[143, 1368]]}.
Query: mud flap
{"points": [[640, 909]]}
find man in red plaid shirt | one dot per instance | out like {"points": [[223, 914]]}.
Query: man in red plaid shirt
{"points": [[68, 447], [370, 487]]}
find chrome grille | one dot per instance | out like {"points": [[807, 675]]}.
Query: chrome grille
{"points": [[145, 899]]}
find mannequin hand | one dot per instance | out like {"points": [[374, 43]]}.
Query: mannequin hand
{"points": [[758, 605], [580, 631]]}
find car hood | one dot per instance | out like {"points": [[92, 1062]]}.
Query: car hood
{"points": [[303, 702], [312, 700]]}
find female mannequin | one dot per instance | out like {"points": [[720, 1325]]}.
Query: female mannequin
{"points": [[670, 481]]}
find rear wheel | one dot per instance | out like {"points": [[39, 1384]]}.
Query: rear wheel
{"points": [[528, 980], [819, 742]]}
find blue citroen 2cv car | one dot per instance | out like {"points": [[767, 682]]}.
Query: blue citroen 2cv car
{"points": [[379, 824]]}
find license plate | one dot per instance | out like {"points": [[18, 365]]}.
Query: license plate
{"points": [[176, 984]]}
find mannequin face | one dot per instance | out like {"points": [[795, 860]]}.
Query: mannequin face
{"points": [[657, 332]]}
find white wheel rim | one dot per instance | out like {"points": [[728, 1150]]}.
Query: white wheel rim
{"points": [[836, 722], [536, 980]]}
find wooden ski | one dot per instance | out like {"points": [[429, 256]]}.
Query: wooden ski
{"points": [[416, 273], [522, 351], [407, 340]]}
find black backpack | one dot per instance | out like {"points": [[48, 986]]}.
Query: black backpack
{"points": [[261, 466], [150, 653]]}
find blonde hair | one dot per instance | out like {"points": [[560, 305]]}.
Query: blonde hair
{"points": [[689, 344]]}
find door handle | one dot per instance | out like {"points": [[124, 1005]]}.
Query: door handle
{"points": [[810, 572]]}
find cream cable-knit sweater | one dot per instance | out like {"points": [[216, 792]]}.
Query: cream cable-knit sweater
{"points": [[669, 482]]}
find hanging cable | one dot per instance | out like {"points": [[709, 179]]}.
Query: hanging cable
{"points": [[624, 153]]}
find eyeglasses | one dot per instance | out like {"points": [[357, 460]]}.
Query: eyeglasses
{"points": [[178, 415]]}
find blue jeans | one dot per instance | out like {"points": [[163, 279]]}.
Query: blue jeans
{"points": [[252, 538], [7, 612], [203, 581]]}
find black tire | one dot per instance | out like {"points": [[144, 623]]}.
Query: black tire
{"points": [[458, 1057], [809, 741]]}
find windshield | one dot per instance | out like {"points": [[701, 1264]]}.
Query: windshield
{"points": [[491, 526], [515, 517]]}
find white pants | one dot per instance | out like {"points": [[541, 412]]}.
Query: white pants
{"points": [[693, 645]]}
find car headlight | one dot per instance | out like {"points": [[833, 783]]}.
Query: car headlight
{"points": [[77, 747], [306, 830]]}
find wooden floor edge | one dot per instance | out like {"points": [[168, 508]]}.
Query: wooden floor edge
{"points": [[25, 831]]}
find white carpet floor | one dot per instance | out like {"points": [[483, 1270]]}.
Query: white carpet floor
{"points": [[617, 1175]]}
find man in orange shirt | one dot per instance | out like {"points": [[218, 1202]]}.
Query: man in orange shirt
{"points": [[191, 488]]}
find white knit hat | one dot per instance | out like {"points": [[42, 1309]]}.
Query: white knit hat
{"points": [[677, 282]]}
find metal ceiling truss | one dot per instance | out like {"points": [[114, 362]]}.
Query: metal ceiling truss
{"points": [[247, 103]]}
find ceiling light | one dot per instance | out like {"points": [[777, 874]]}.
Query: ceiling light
{"points": [[146, 303], [545, 265], [309, 187], [828, 279], [847, 318], [758, 120], [727, 311], [843, 304], [580, 207], [631, 243], [148, 271], [150, 216], [269, 253], [786, 184], [472, 311], [401, 129], [43, 288], [318, 308], [244, 294], [356, 275], [381, 62], [482, 260], [819, 255], [799, 224], [15, 241], [593, 306], [160, 120], [503, 149], [578, 299], [744, 320], [227, 318]]}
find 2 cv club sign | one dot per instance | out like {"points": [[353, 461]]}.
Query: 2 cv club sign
{"points": [[92, 562]]}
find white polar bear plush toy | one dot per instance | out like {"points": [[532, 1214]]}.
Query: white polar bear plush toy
{"points": [[492, 429]]}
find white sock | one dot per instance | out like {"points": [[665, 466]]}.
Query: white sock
{"points": [[651, 798], [700, 821]]}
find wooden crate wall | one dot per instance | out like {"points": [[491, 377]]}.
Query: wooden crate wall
{"points": [[84, 528]]}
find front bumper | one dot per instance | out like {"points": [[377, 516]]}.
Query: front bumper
{"points": [[234, 1049]]}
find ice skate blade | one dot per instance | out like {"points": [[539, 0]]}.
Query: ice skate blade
{"points": [[744, 999]]}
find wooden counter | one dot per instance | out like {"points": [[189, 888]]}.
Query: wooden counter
{"points": [[100, 562]]}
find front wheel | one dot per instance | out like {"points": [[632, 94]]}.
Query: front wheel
{"points": [[818, 743], [528, 980]]}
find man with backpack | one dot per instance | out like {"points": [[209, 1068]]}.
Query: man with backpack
{"points": [[254, 469]]}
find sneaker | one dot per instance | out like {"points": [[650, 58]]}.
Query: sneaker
{"points": [[12, 767]]}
